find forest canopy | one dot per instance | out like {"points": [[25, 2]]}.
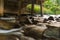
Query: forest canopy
{"points": [[49, 7]]}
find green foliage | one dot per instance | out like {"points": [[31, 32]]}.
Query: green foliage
{"points": [[49, 7], [52, 5], [37, 9]]}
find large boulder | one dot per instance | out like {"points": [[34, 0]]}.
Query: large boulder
{"points": [[35, 31], [52, 33]]}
